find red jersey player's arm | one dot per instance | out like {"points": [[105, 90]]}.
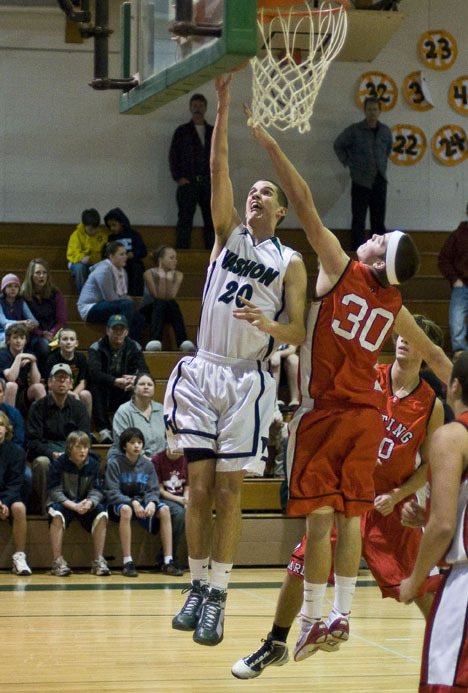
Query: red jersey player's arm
{"points": [[434, 356], [447, 462], [419, 478], [333, 259]]}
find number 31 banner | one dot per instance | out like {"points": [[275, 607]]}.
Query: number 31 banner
{"points": [[409, 145]]}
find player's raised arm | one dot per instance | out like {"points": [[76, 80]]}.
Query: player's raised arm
{"points": [[433, 355], [332, 257], [225, 217]]}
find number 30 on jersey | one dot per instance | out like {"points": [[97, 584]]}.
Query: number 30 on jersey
{"points": [[361, 321]]}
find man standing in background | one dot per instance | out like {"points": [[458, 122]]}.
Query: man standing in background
{"points": [[365, 147], [453, 265], [189, 161]]}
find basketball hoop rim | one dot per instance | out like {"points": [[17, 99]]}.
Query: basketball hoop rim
{"points": [[269, 10]]}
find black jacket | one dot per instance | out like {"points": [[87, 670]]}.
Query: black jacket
{"points": [[48, 426], [132, 361]]}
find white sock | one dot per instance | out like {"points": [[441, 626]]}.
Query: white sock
{"points": [[199, 569], [314, 596], [220, 575], [127, 559], [344, 593], [167, 559]]}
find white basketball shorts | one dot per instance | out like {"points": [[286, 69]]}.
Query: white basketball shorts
{"points": [[222, 404]]}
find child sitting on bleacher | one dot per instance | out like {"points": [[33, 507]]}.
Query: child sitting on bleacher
{"points": [[132, 490], [120, 230], [75, 493], [85, 246], [68, 353], [13, 309], [20, 370], [47, 304], [11, 505], [162, 284]]}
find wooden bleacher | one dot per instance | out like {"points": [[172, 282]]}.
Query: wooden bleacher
{"points": [[267, 535]]}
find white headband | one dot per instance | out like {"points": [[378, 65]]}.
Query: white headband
{"points": [[390, 256]]}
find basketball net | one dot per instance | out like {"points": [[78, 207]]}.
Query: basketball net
{"points": [[285, 85]]}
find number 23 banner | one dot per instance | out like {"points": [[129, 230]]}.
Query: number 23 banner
{"points": [[409, 144]]}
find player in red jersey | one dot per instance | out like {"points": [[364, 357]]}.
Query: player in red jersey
{"points": [[444, 665], [411, 413], [337, 430]]}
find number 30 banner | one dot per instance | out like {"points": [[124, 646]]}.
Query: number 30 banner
{"points": [[449, 145], [409, 145]]}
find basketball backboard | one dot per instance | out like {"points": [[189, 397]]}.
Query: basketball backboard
{"points": [[181, 44]]}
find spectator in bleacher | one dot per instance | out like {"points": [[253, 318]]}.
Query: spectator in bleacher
{"points": [[172, 471], [75, 493], [141, 412], [16, 420], [20, 370], [18, 438], [68, 353], [105, 292], [12, 459], [162, 284], [132, 490], [453, 265], [286, 358], [13, 308], [49, 422], [114, 361], [85, 246], [120, 230], [47, 304]]}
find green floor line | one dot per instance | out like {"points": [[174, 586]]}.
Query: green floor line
{"points": [[61, 587]]}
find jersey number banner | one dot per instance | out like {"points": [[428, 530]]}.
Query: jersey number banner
{"points": [[409, 144]]}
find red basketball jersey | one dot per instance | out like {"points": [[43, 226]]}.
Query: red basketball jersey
{"points": [[405, 423], [346, 330]]}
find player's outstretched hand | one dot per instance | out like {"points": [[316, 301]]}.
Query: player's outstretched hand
{"points": [[252, 314], [257, 130]]}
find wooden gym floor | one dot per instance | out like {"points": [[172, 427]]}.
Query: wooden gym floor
{"points": [[84, 633]]}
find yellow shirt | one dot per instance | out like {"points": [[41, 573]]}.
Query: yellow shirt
{"points": [[81, 245]]}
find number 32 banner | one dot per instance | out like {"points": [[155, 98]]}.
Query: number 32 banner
{"points": [[379, 86], [409, 145]]}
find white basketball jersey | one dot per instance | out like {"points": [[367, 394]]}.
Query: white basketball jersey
{"points": [[255, 272]]}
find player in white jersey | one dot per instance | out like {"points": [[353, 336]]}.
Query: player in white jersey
{"points": [[219, 404], [444, 664]]}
